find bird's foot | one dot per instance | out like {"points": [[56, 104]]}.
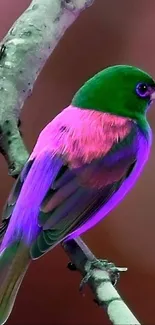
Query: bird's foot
{"points": [[104, 265]]}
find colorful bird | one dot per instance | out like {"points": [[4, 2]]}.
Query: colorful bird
{"points": [[83, 164]]}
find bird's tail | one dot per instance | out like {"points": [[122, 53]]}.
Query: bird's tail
{"points": [[14, 261]]}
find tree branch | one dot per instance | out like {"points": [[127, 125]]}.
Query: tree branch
{"points": [[24, 51], [100, 283]]}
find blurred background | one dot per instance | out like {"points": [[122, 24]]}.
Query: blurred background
{"points": [[108, 33]]}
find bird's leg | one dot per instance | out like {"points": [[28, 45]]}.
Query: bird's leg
{"points": [[113, 271]]}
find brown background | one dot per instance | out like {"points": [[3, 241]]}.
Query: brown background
{"points": [[110, 32]]}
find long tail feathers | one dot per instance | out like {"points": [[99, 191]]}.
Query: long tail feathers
{"points": [[14, 262]]}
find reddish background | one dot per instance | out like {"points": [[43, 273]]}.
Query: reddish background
{"points": [[110, 32]]}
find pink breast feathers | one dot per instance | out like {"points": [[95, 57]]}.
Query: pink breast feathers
{"points": [[81, 135]]}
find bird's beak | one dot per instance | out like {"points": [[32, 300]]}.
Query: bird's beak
{"points": [[153, 96]]}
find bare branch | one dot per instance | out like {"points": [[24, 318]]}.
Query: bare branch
{"points": [[100, 283], [24, 51]]}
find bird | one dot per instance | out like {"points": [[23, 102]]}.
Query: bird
{"points": [[84, 163]]}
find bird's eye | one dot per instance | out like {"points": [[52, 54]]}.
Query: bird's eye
{"points": [[142, 90]]}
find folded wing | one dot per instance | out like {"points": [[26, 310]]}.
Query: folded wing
{"points": [[75, 194]]}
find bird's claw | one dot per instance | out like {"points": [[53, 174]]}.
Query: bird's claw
{"points": [[113, 271]]}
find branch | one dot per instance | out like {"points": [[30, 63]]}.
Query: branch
{"points": [[100, 283], [24, 51]]}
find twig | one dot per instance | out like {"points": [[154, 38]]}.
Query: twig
{"points": [[23, 53], [100, 283]]}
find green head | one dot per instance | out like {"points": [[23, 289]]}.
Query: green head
{"points": [[121, 90]]}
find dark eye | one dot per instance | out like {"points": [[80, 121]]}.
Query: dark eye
{"points": [[142, 90]]}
